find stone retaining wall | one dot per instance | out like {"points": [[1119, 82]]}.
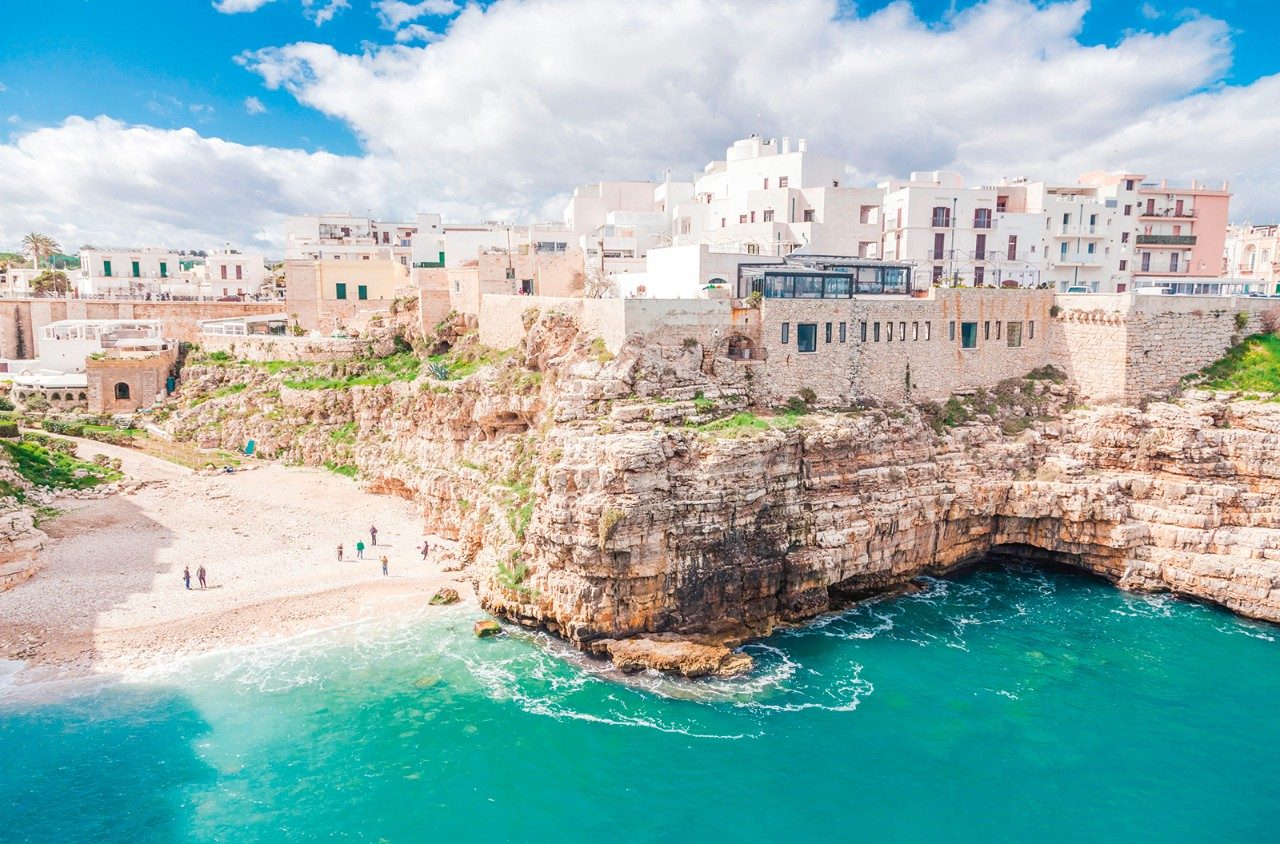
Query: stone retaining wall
{"points": [[258, 347]]}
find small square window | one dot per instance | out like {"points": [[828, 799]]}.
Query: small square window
{"points": [[828, 332], [843, 336], [951, 331], [782, 181]]}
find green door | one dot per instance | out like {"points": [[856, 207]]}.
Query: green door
{"points": [[340, 290], [106, 269], [136, 272], [362, 291], [164, 270]]}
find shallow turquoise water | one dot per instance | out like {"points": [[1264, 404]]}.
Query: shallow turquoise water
{"points": [[1006, 704]]}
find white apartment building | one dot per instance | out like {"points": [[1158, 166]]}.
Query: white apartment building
{"points": [[345, 237], [467, 242], [234, 274], [617, 223], [141, 273]]}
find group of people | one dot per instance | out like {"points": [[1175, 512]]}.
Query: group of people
{"points": [[373, 541], [201, 574]]}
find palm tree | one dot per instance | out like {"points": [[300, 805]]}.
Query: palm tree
{"points": [[39, 246]]}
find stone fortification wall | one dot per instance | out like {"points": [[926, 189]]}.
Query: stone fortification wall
{"points": [[664, 322], [248, 347], [503, 320], [898, 348], [20, 319], [1133, 346]]}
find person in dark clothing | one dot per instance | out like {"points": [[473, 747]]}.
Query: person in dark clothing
{"points": [[339, 552], [186, 576], [373, 535], [426, 547], [200, 573]]}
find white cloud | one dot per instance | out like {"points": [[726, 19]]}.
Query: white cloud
{"points": [[1149, 11], [323, 11], [3, 87], [417, 32], [234, 7], [471, 126], [253, 105], [394, 13]]}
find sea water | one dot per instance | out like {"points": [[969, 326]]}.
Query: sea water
{"points": [[1009, 703]]}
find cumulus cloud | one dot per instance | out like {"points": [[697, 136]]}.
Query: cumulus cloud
{"points": [[472, 127], [323, 11], [253, 105], [395, 13], [235, 7]]}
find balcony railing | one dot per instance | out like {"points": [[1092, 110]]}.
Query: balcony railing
{"points": [[1085, 258], [1166, 240], [1079, 231], [937, 254], [1184, 214]]}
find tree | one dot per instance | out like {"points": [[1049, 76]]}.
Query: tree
{"points": [[50, 281], [39, 246]]}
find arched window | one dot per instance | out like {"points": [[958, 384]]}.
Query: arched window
{"points": [[84, 397], [55, 397], [122, 390]]}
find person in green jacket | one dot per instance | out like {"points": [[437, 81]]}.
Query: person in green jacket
{"points": [[360, 550]]}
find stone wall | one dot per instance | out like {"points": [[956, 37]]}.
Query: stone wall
{"points": [[20, 319], [503, 323], [250, 347], [145, 378], [909, 350]]}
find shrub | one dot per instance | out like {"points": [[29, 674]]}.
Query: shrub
{"points": [[808, 396], [608, 521], [1242, 320], [9, 430], [1271, 320], [1055, 310], [6, 403]]}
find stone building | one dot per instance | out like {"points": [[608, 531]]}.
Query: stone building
{"points": [[124, 381]]}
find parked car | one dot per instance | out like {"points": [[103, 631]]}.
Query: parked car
{"points": [[1078, 289]]}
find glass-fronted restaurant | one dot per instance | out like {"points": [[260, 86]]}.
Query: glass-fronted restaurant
{"points": [[823, 278]]}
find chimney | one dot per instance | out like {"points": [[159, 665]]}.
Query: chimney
{"points": [[786, 145], [800, 145]]}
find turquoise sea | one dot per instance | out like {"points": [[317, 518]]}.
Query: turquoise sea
{"points": [[1006, 704]]}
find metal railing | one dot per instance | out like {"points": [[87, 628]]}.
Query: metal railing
{"points": [[1166, 240], [1184, 214]]}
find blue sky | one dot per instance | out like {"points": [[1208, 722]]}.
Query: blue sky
{"points": [[172, 63], [498, 110]]}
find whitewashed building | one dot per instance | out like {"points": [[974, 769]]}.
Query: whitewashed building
{"points": [[136, 273], [233, 273]]}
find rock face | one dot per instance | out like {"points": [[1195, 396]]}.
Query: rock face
{"points": [[586, 494]]}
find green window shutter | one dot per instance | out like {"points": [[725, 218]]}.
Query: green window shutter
{"points": [[164, 270], [106, 269], [341, 290], [136, 272], [363, 291]]}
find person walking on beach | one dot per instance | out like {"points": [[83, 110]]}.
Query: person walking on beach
{"points": [[426, 546], [384, 565], [373, 535], [339, 552], [186, 576], [200, 573], [360, 550]]}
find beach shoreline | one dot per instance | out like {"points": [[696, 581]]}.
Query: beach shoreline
{"points": [[109, 597]]}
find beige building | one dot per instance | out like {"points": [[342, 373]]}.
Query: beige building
{"points": [[324, 294], [128, 380], [1252, 254], [518, 272]]}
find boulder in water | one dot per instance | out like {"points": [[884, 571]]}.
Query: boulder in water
{"points": [[487, 627], [445, 596]]}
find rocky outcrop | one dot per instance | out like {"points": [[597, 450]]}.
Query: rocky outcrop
{"points": [[598, 497]]}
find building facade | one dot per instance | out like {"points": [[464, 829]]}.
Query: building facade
{"points": [[1253, 253]]}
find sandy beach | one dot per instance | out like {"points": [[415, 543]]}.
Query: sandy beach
{"points": [[109, 594]]}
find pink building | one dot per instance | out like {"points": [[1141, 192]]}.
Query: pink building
{"points": [[1182, 232]]}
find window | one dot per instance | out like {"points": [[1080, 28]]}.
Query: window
{"points": [[782, 181], [768, 215], [808, 215], [939, 246], [928, 330], [1128, 210], [1090, 248], [742, 218], [722, 222], [766, 182], [1124, 237], [941, 217], [986, 330], [136, 271], [875, 332], [806, 336], [753, 216], [982, 218], [164, 270], [951, 331], [1128, 184], [888, 332], [979, 276], [1031, 329], [898, 225], [239, 272], [753, 249], [902, 331], [1124, 265], [828, 332], [223, 268], [786, 333], [980, 247], [1173, 262], [968, 335], [106, 269], [998, 324], [1013, 246], [863, 331], [1014, 335], [915, 331], [843, 334], [122, 390]]}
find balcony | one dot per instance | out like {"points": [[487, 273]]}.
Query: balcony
{"points": [[1080, 259], [937, 254], [1167, 213], [1166, 240], [1081, 231]]}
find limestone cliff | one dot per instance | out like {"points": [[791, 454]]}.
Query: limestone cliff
{"points": [[620, 503]]}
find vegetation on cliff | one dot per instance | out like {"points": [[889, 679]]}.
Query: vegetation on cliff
{"points": [[1252, 365], [49, 462]]}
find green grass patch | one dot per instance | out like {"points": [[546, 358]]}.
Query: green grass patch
{"points": [[402, 366], [344, 434], [347, 470], [1252, 365], [54, 468]]}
